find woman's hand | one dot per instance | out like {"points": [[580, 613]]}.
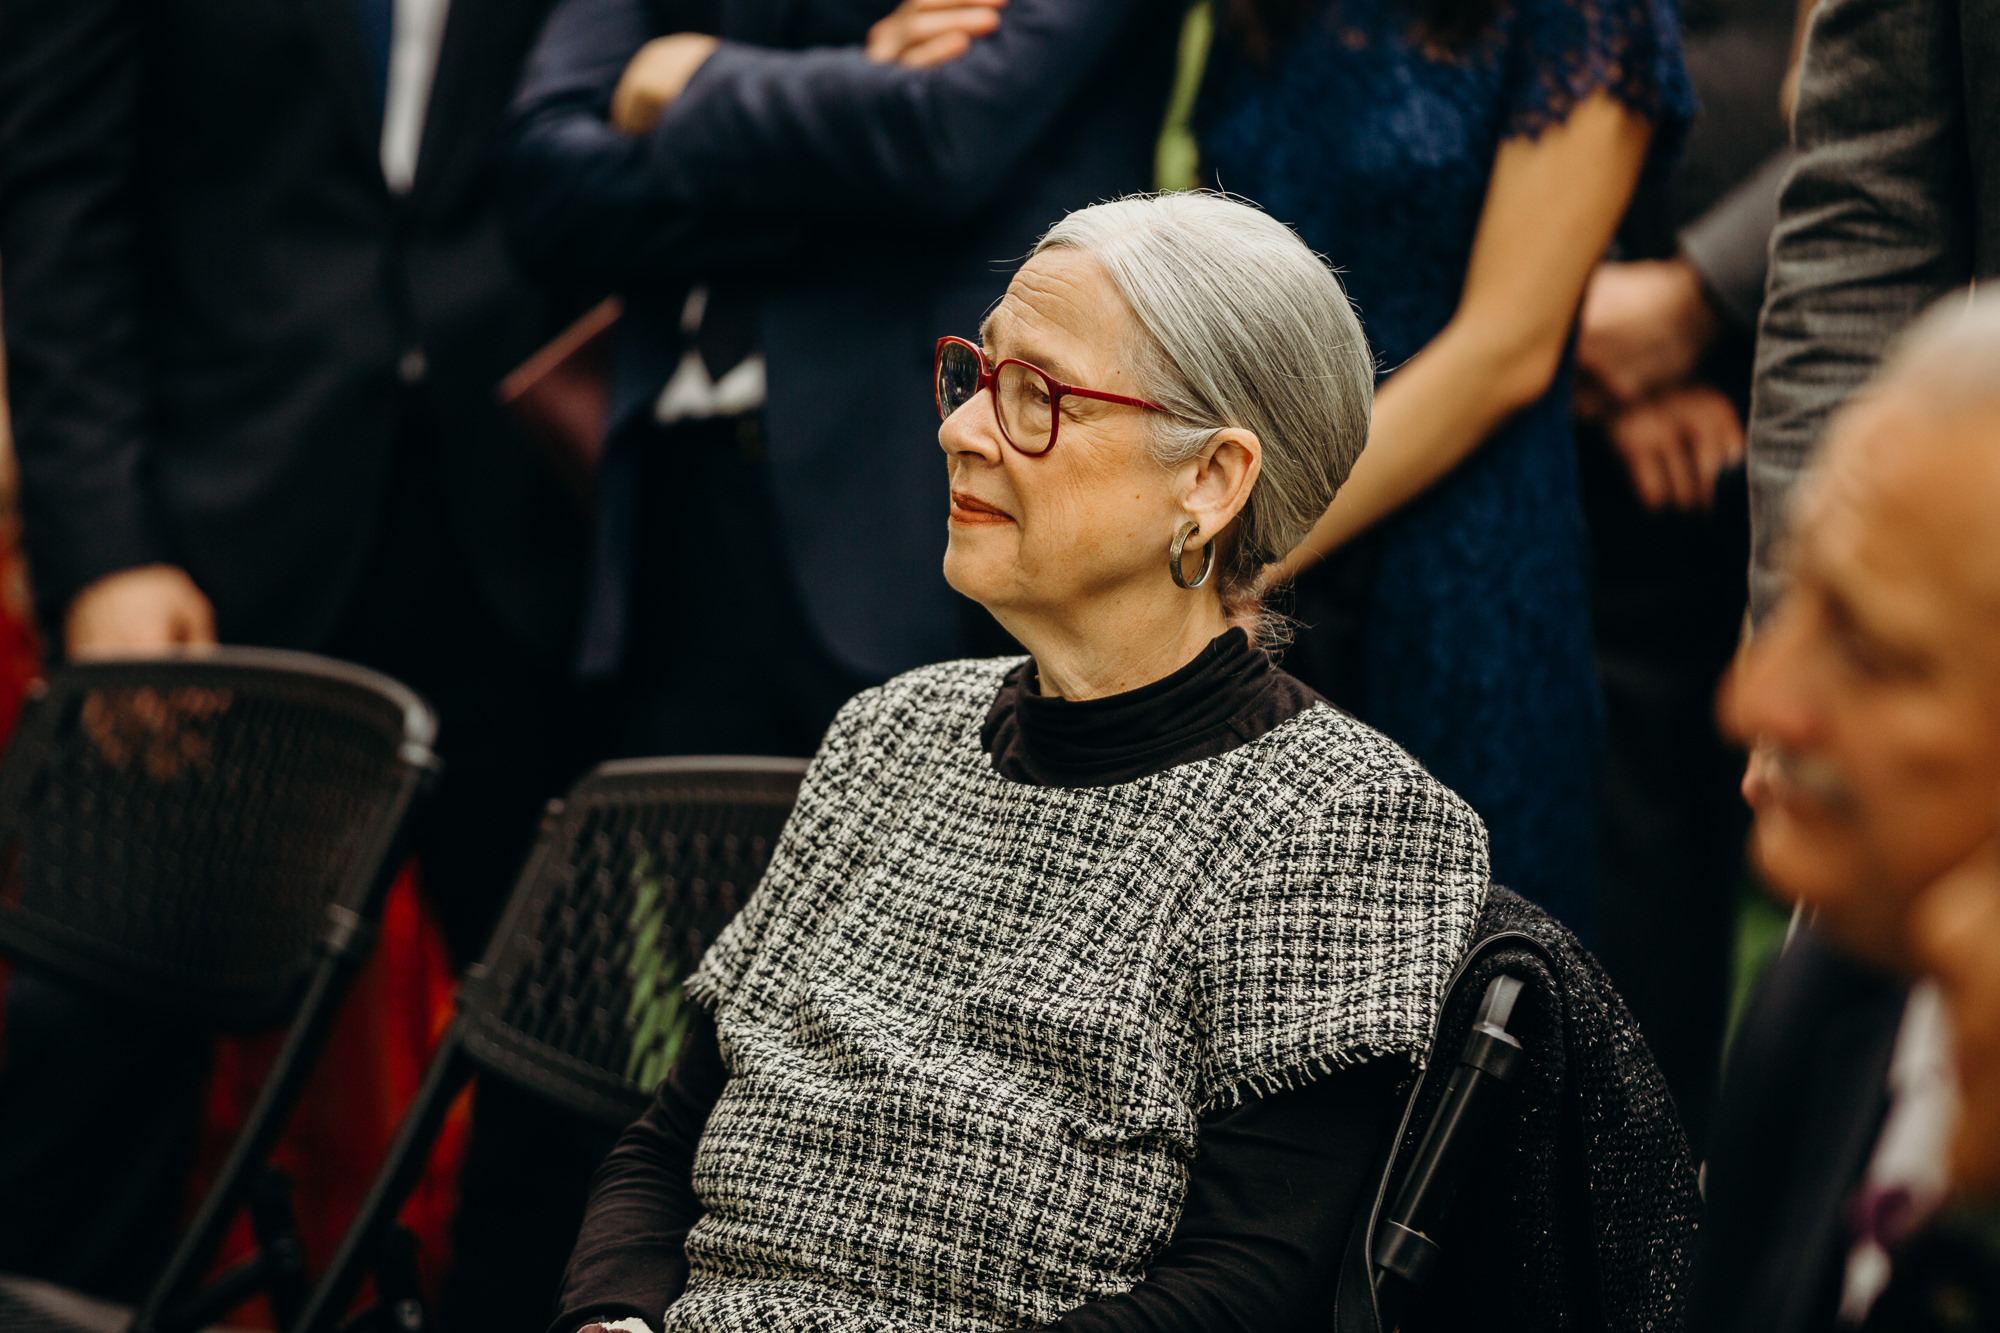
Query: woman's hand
{"points": [[1643, 329], [655, 77], [1676, 445], [922, 33]]}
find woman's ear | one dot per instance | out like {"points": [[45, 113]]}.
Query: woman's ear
{"points": [[1220, 479]]}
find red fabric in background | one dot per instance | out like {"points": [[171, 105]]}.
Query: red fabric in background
{"points": [[374, 1060], [20, 667]]}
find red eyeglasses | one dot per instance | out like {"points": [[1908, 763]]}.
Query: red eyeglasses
{"points": [[1026, 399]]}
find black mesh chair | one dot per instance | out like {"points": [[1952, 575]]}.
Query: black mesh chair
{"points": [[578, 998], [212, 835]]}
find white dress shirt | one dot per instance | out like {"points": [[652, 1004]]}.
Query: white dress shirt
{"points": [[416, 36]]}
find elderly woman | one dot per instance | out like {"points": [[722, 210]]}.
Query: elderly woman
{"points": [[1081, 988]]}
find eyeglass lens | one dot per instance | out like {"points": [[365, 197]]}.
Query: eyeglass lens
{"points": [[957, 377], [1020, 395], [1024, 407]]}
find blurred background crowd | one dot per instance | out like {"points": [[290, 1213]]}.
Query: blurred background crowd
{"points": [[570, 360]]}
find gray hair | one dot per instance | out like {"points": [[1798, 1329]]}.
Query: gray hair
{"points": [[1951, 356], [1240, 325]]}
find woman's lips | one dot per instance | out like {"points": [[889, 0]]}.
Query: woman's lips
{"points": [[970, 509]]}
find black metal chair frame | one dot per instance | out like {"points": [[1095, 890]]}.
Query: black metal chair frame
{"points": [[1393, 1256], [409, 728], [485, 1037]]}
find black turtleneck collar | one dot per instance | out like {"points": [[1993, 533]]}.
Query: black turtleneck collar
{"points": [[1230, 694]]}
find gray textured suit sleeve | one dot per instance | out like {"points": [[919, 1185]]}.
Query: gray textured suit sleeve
{"points": [[1874, 224], [1730, 243]]}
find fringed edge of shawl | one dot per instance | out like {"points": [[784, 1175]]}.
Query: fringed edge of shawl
{"points": [[1255, 1084]]}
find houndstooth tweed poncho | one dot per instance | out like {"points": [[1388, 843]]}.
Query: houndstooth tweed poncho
{"points": [[972, 1025]]}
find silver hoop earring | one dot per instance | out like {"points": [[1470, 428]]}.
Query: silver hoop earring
{"points": [[1189, 529]]}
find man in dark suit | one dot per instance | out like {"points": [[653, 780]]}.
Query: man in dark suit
{"points": [[257, 301], [796, 204], [1873, 692]]}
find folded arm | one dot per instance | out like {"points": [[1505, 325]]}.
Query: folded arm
{"points": [[833, 133], [580, 199], [1275, 1192], [781, 138]]}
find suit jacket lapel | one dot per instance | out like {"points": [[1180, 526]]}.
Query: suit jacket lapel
{"points": [[457, 53], [1858, 1036], [338, 29]]}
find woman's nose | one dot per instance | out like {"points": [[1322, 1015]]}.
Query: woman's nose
{"points": [[972, 429]]}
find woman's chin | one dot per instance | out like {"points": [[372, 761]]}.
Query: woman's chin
{"points": [[975, 572]]}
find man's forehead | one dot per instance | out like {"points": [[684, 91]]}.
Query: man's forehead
{"points": [[1897, 520]]}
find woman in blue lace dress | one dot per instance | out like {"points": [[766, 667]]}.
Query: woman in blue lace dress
{"points": [[1464, 163]]}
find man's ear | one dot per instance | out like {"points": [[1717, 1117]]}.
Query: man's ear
{"points": [[1220, 480]]}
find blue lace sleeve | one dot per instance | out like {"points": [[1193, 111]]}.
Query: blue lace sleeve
{"points": [[1563, 51]]}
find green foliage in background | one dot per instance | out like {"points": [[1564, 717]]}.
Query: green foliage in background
{"points": [[1761, 923], [1176, 161], [658, 1014]]}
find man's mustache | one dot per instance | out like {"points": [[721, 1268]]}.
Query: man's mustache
{"points": [[1807, 775]]}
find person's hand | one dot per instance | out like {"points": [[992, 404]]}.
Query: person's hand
{"points": [[1955, 931], [134, 612], [655, 77], [922, 33], [1643, 328], [1676, 444]]}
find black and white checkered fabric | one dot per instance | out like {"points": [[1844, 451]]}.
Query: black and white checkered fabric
{"points": [[972, 1025]]}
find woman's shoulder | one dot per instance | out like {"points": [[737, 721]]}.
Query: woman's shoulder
{"points": [[1332, 941], [1325, 772], [1325, 753]]}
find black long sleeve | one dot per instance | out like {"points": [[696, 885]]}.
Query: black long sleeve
{"points": [[1276, 1186], [71, 88], [1275, 1191], [629, 1259]]}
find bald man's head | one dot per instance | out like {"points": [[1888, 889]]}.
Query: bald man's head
{"points": [[1874, 689], [1924, 443]]}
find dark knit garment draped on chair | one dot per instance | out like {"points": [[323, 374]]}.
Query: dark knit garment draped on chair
{"points": [[1581, 1213]]}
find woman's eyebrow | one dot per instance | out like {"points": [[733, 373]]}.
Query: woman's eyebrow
{"points": [[1045, 361]]}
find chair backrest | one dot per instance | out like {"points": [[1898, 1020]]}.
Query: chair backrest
{"points": [[1448, 1116], [632, 877], [1540, 1179], [177, 830]]}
